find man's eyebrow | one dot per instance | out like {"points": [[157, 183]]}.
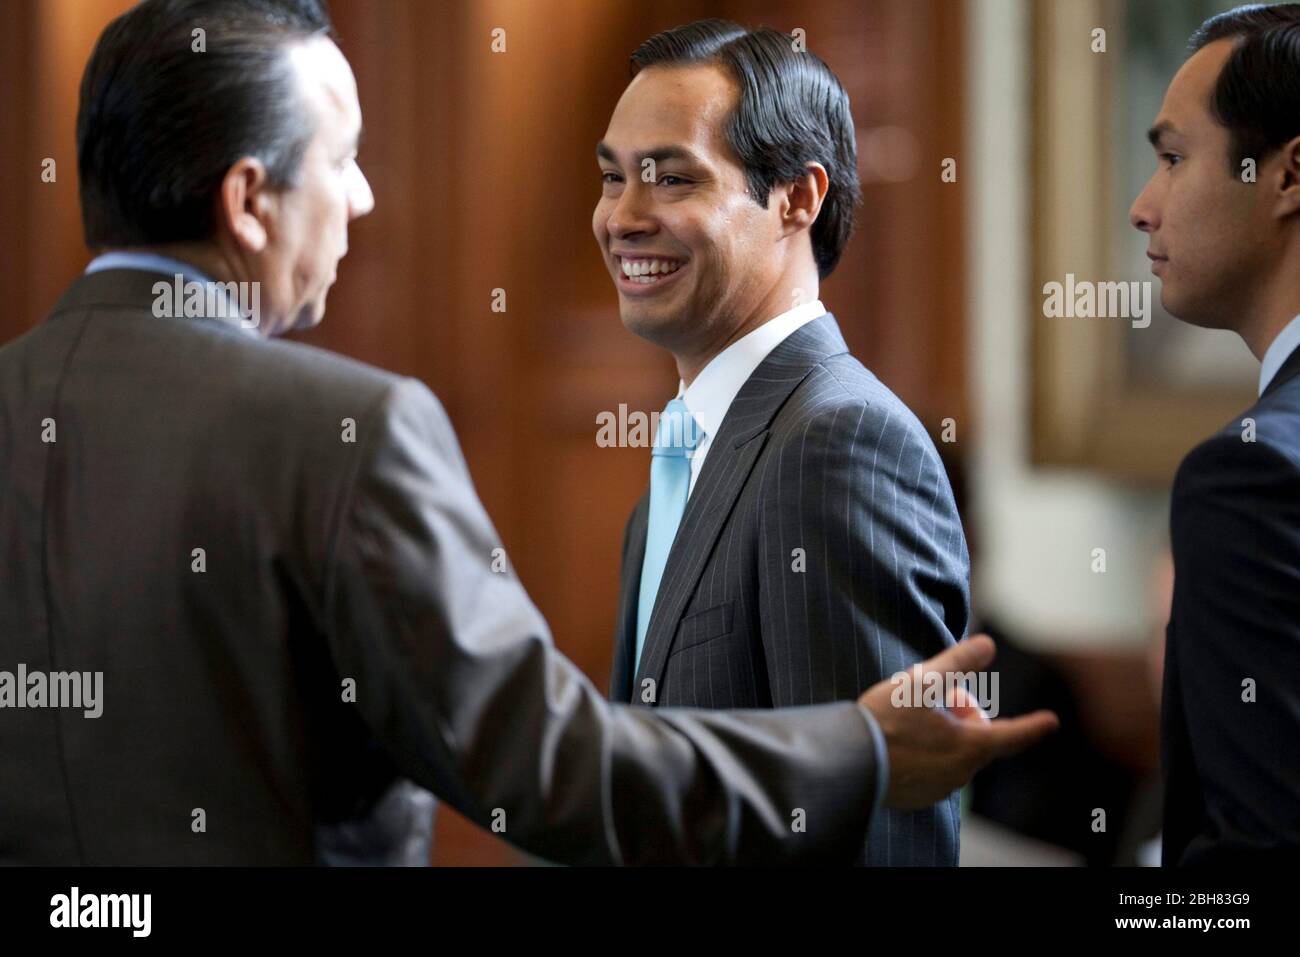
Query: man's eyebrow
{"points": [[660, 154], [1157, 133], [354, 144]]}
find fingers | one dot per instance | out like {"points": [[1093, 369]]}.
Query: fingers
{"points": [[944, 748], [972, 654], [962, 704], [1007, 736]]}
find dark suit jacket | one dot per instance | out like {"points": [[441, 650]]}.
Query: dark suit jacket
{"points": [[814, 454], [345, 550], [1232, 767]]}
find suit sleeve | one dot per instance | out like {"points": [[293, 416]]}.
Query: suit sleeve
{"points": [[456, 674], [1235, 628], [865, 567]]}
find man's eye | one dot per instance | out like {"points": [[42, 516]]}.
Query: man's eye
{"points": [[1171, 158], [609, 177], [677, 181]]}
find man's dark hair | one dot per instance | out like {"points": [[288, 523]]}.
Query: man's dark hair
{"points": [[1257, 94], [159, 124], [792, 111]]}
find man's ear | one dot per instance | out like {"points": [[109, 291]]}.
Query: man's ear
{"points": [[1288, 181], [245, 202], [802, 199]]}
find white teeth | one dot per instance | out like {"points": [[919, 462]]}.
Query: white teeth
{"points": [[637, 268]]}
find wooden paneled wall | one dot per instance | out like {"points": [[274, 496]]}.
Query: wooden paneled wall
{"points": [[484, 176]]}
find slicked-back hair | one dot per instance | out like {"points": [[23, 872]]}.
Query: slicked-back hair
{"points": [[1257, 94], [161, 121], [792, 111]]}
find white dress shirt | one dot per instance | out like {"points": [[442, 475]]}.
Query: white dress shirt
{"points": [[1286, 343], [711, 394]]}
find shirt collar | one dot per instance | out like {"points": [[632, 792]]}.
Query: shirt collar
{"points": [[1282, 346], [146, 262], [153, 262], [711, 394]]}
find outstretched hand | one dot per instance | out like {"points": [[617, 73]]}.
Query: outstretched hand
{"points": [[934, 750]]}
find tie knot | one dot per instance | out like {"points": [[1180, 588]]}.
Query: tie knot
{"points": [[677, 433]]}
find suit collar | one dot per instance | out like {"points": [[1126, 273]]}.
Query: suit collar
{"points": [[1289, 368], [732, 456], [715, 388], [131, 289], [146, 262], [763, 394]]}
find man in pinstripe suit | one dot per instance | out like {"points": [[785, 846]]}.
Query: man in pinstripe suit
{"points": [[272, 562], [799, 539]]}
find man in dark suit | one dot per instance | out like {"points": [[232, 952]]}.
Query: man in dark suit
{"points": [[1223, 216], [249, 613], [799, 538]]}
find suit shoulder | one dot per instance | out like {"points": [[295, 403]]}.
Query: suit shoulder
{"points": [[308, 367], [1263, 441], [294, 384], [1276, 419], [265, 377], [1240, 477], [847, 404]]}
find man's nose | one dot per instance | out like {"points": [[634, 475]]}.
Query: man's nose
{"points": [[632, 211], [1142, 214], [360, 198]]}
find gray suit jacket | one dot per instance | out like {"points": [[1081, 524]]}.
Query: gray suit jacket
{"points": [[341, 632], [820, 552]]}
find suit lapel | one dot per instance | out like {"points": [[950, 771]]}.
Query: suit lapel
{"points": [[731, 457], [629, 590], [1288, 370]]}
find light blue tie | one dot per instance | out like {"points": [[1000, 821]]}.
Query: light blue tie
{"points": [[670, 482]]}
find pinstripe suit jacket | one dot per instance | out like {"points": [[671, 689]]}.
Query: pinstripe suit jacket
{"points": [[820, 552]]}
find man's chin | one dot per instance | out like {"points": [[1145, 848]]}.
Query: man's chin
{"points": [[1193, 312], [308, 317], [646, 324], [1177, 306], [641, 329]]}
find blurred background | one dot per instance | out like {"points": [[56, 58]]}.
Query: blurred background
{"points": [[1060, 435]]}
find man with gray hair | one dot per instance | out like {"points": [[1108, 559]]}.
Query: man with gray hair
{"points": [[277, 559]]}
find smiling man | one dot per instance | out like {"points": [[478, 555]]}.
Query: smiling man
{"points": [[276, 558], [1222, 212], [799, 537]]}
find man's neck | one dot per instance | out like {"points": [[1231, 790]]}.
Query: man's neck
{"points": [[1269, 320], [1265, 305], [210, 259], [206, 257], [690, 365]]}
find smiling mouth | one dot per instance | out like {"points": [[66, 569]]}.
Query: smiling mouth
{"points": [[647, 270]]}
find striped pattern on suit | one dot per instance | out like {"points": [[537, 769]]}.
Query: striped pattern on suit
{"points": [[820, 552]]}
